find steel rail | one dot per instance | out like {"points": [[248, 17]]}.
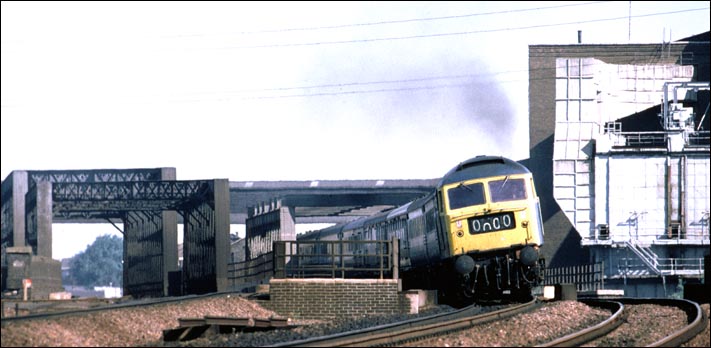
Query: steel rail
{"points": [[696, 319], [593, 332], [391, 334]]}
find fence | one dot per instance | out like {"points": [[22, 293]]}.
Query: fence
{"points": [[588, 277], [317, 259], [339, 258]]}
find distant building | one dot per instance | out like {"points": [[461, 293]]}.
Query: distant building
{"points": [[109, 291], [620, 147]]}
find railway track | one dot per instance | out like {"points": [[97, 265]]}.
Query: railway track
{"points": [[686, 323], [55, 313], [392, 334], [442, 324], [696, 322]]}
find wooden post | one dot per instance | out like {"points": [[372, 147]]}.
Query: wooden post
{"points": [[380, 256], [279, 259], [395, 257], [340, 247]]}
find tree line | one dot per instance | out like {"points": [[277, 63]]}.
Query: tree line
{"points": [[101, 264]]}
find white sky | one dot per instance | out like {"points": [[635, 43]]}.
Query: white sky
{"points": [[287, 90]]}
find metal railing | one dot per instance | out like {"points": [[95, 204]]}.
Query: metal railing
{"points": [[336, 259], [665, 266], [658, 138], [681, 266], [698, 231], [324, 259], [702, 138], [641, 139]]}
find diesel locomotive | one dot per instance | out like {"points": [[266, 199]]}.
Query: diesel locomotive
{"points": [[475, 237]]}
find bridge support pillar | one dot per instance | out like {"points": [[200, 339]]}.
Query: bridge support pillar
{"points": [[170, 246], [143, 260], [14, 188], [206, 242], [170, 235], [44, 219], [222, 231], [38, 219]]}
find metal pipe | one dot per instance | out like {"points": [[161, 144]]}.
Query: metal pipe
{"points": [[667, 183], [682, 197]]}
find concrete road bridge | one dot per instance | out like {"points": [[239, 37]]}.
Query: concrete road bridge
{"points": [[326, 201]]}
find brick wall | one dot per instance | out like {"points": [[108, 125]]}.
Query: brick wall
{"points": [[332, 298]]}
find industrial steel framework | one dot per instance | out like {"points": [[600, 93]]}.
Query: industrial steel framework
{"points": [[146, 201]]}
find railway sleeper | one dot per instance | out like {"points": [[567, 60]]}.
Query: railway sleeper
{"points": [[192, 328]]}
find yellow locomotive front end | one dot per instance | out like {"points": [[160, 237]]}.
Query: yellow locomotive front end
{"points": [[490, 215]]}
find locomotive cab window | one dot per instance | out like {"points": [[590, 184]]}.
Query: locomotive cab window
{"points": [[507, 190], [466, 195]]}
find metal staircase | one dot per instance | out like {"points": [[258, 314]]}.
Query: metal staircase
{"points": [[646, 255]]}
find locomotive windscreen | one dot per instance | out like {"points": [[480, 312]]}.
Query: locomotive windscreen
{"points": [[466, 196], [507, 190]]}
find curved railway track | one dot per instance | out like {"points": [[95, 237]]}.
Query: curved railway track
{"points": [[392, 334], [590, 333], [441, 324], [696, 322]]}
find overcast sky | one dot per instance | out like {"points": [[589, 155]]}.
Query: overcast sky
{"points": [[289, 90]]}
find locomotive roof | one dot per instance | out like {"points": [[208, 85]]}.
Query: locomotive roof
{"points": [[481, 167]]}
